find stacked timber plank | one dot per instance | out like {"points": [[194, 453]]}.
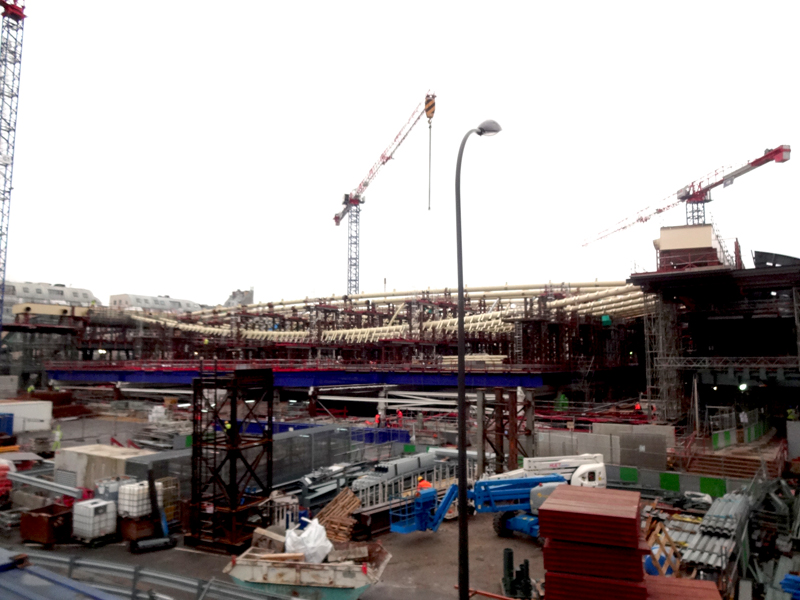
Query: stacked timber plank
{"points": [[594, 545], [336, 516]]}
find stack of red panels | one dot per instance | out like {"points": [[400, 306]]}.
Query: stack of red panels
{"points": [[567, 586], [669, 588], [594, 546], [591, 516], [611, 562]]}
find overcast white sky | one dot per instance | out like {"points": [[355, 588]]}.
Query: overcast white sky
{"points": [[192, 148]]}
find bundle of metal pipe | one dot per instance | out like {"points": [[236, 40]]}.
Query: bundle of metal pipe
{"points": [[726, 515]]}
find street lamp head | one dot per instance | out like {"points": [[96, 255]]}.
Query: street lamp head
{"points": [[489, 128]]}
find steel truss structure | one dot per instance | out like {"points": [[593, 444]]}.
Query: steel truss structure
{"points": [[231, 456], [13, 23]]}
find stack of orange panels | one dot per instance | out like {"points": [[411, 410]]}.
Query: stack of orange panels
{"points": [[669, 588], [594, 546], [611, 562], [591, 516]]}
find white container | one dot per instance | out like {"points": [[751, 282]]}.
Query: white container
{"points": [[29, 415], [108, 489], [94, 519], [134, 499]]}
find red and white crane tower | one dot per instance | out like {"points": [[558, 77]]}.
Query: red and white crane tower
{"points": [[697, 194], [13, 20], [352, 202]]}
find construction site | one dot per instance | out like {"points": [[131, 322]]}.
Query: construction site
{"points": [[629, 439]]}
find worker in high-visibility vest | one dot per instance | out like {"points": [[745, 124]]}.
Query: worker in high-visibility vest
{"points": [[57, 437], [399, 418], [423, 484]]}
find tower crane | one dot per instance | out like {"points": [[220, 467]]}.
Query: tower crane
{"points": [[698, 193], [13, 19], [352, 202]]}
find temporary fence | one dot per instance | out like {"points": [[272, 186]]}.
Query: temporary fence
{"points": [[661, 482]]}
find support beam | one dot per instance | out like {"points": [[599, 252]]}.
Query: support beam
{"points": [[530, 423], [480, 416], [499, 431], [512, 430]]}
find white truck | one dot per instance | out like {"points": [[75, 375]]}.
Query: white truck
{"points": [[587, 470]]}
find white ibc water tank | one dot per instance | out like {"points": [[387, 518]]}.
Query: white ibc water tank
{"points": [[93, 519], [134, 499]]}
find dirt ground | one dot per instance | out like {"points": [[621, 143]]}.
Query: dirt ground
{"points": [[424, 566]]}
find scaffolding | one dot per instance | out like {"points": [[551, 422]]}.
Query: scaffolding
{"points": [[231, 457], [661, 352]]}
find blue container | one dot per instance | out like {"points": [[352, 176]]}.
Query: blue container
{"points": [[7, 423]]}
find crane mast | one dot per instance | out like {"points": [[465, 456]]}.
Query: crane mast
{"points": [[352, 202], [13, 20], [697, 194]]}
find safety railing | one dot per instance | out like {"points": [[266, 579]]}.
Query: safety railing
{"points": [[441, 476], [87, 570]]}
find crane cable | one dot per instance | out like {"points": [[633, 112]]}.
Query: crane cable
{"points": [[430, 109]]}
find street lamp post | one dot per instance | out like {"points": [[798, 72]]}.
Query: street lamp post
{"points": [[485, 128]]}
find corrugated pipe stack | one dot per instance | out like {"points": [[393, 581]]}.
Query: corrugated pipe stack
{"points": [[712, 546]]}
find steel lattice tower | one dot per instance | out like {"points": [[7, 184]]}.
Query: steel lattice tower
{"points": [[10, 63], [352, 250]]}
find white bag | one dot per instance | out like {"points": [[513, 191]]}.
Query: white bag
{"points": [[312, 542]]}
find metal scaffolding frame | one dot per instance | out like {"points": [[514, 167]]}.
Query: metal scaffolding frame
{"points": [[232, 447], [662, 355]]}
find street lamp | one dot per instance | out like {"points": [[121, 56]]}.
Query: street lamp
{"points": [[485, 128]]}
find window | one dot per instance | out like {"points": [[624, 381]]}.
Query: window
{"points": [[56, 293], [26, 290], [174, 304], [146, 301], [85, 295], [38, 291], [591, 475], [114, 302], [11, 290], [74, 294], [138, 300]]}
